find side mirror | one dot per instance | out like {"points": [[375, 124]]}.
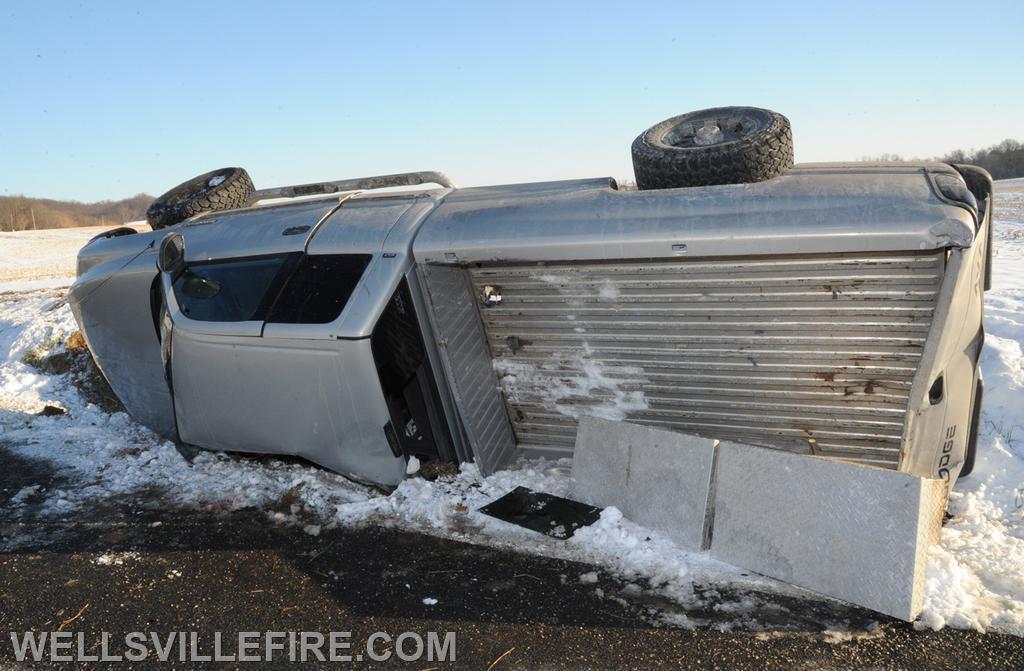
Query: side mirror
{"points": [[171, 258]]}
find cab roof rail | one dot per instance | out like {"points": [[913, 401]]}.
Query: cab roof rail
{"points": [[358, 184]]}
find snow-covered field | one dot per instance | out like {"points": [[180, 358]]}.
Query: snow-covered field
{"points": [[36, 259], [975, 577]]}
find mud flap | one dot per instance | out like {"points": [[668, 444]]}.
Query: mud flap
{"points": [[544, 513], [972, 438]]}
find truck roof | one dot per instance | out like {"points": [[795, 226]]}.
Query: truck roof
{"points": [[813, 208]]}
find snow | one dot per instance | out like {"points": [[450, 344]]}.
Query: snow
{"points": [[574, 386], [29, 285], [1016, 184], [23, 494], [975, 577], [608, 291], [46, 258], [116, 558]]}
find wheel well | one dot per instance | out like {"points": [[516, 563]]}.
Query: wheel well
{"points": [[156, 301]]}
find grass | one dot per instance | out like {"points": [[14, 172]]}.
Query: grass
{"points": [[1000, 428], [432, 470], [75, 361], [35, 356], [76, 343]]}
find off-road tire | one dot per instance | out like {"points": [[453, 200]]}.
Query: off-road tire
{"points": [[978, 181], [113, 233], [759, 152], [232, 189]]}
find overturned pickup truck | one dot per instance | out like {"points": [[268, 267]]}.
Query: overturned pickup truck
{"points": [[828, 309]]}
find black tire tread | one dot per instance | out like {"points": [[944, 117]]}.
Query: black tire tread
{"points": [[759, 157], [233, 192]]}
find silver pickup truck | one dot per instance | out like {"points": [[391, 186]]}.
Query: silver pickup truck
{"points": [[829, 309]]}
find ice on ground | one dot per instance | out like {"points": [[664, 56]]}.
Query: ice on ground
{"points": [[22, 495], [116, 558], [975, 577]]}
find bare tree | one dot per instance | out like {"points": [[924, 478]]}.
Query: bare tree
{"points": [[18, 213]]}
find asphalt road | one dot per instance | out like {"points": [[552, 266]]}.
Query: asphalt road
{"points": [[140, 566]]}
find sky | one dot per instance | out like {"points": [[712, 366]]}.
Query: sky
{"points": [[103, 100]]}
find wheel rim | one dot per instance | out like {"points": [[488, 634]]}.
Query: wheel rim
{"points": [[711, 128], [198, 186]]}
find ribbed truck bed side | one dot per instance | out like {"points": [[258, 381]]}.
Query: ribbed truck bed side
{"points": [[811, 353]]}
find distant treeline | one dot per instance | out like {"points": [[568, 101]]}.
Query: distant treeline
{"points": [[19, 213], [1003, 161]]}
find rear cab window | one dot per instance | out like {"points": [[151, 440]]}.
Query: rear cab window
{"points": [[319, 289]]}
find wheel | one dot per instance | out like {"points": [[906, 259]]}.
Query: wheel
{"points": [[721, 145], [223, 189], [979, 182], [113, 233]]}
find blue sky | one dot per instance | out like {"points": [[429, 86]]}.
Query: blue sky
{"points": [[104, 100]]}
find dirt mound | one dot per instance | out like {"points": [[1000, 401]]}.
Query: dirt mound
{"points": [[76, 362]]}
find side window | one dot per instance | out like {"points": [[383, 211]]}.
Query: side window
{"points": [[318, 289], [232, 291]]}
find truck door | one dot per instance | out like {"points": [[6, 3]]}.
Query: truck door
{"points": [[304, 391]]}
